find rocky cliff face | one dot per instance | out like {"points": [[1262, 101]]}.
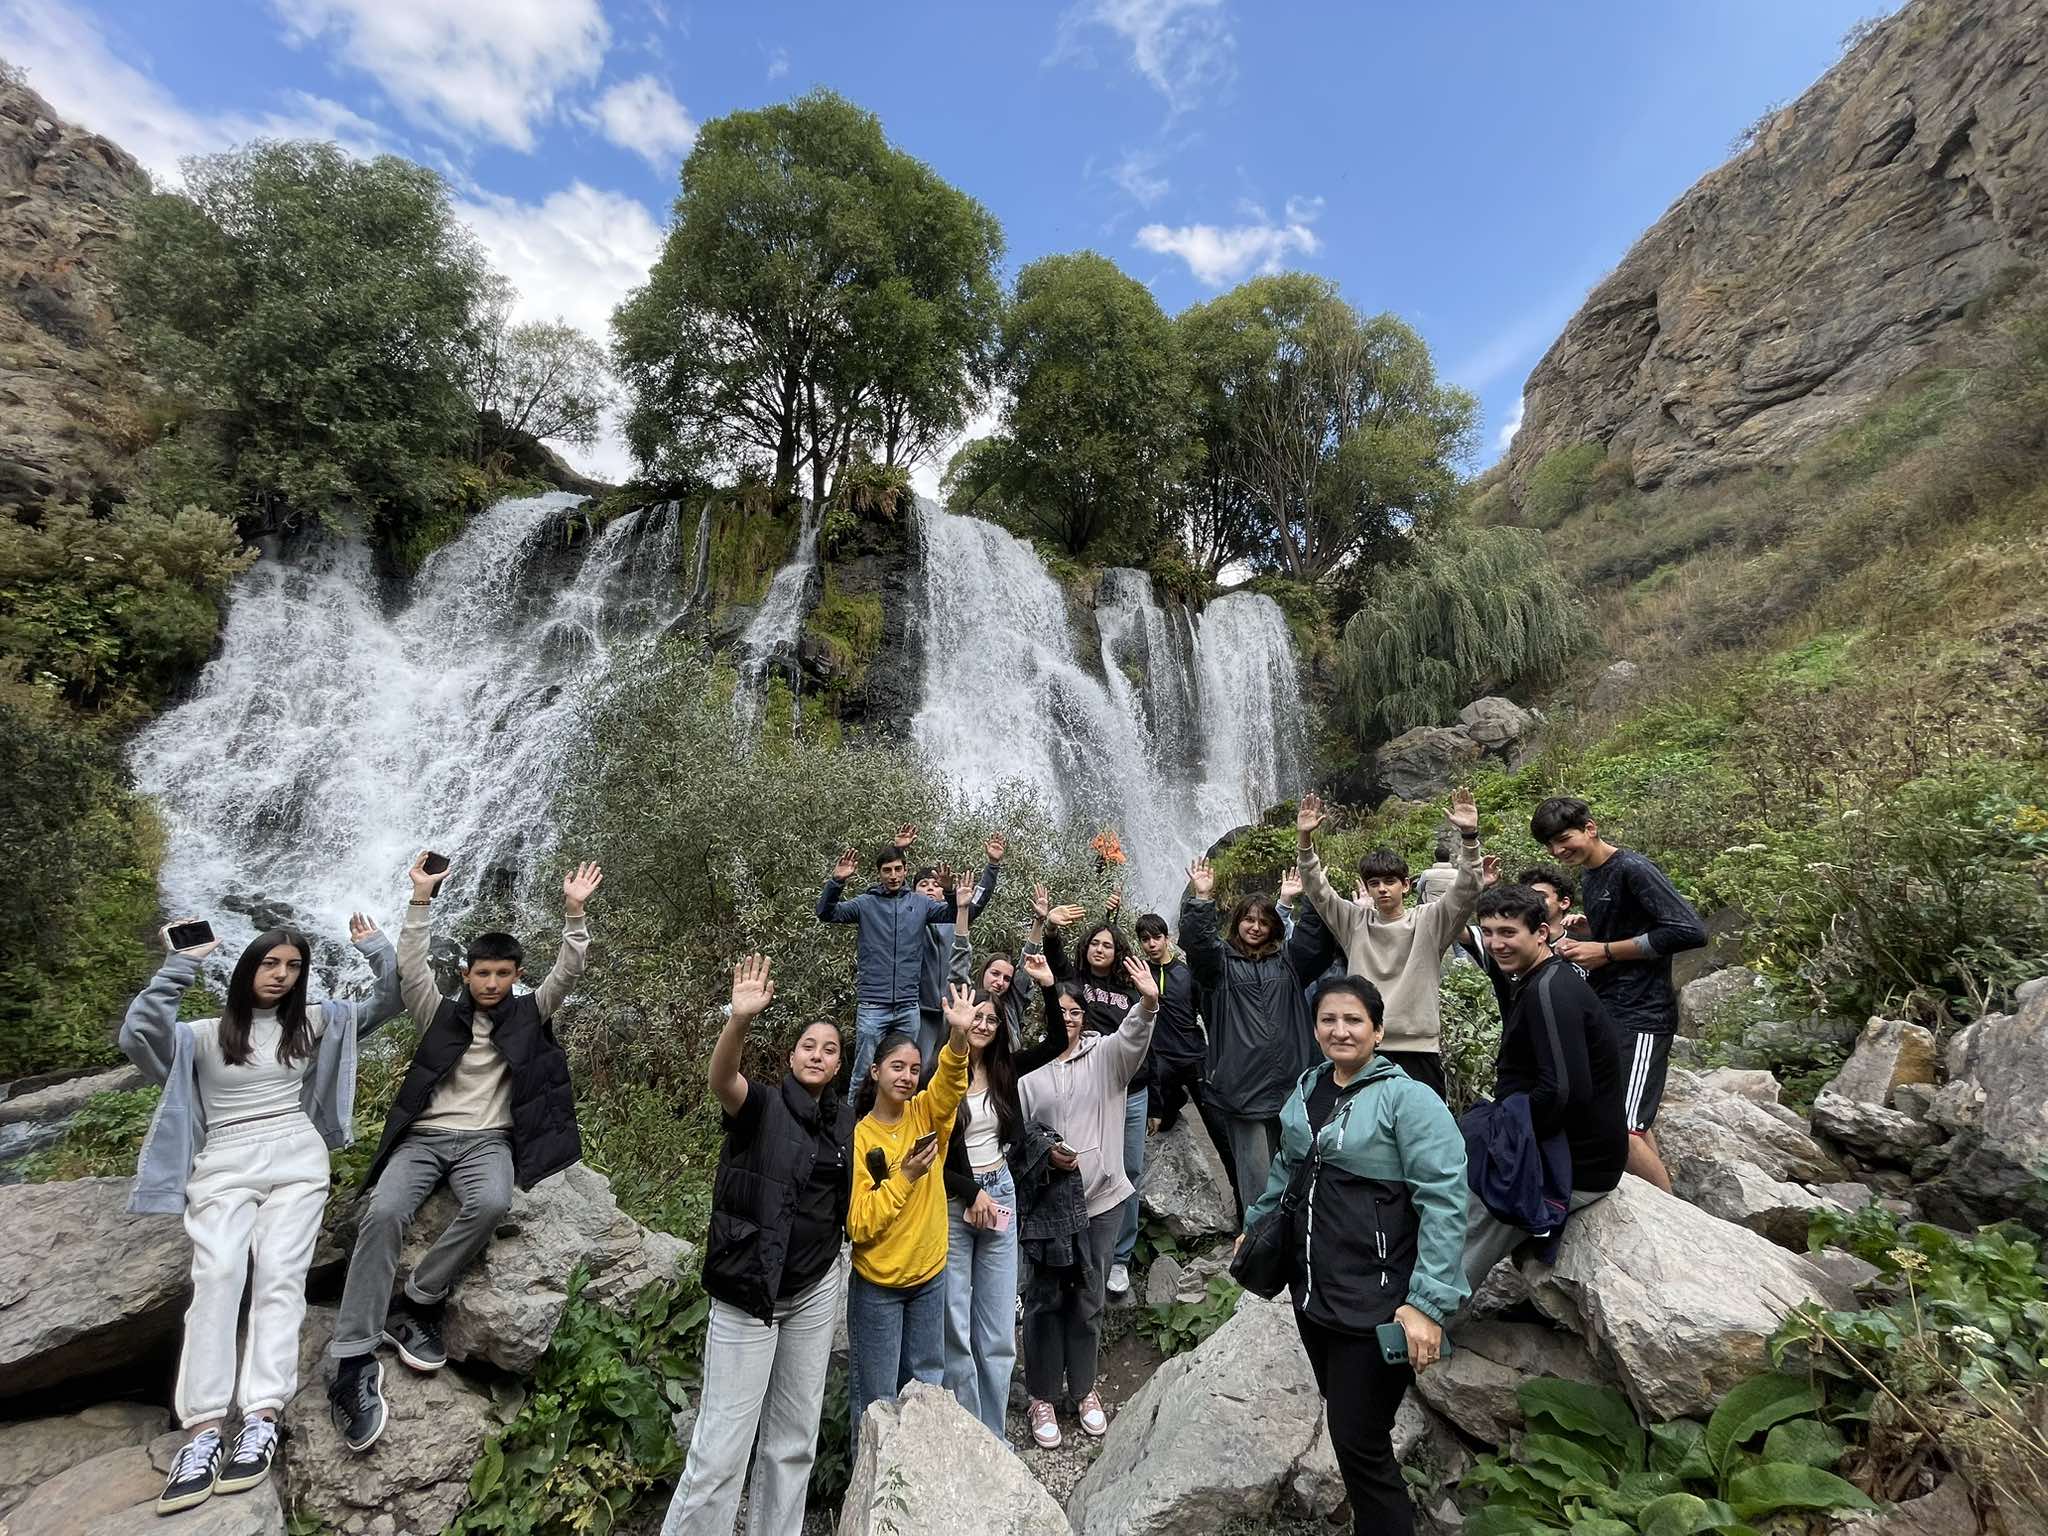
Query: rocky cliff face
{"points": [[65, 372], [1835, 254]]}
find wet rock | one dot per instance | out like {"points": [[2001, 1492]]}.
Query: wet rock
{"points": [[925, 1466]]}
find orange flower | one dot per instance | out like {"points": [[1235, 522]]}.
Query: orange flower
{"points": [[1108, 848]]}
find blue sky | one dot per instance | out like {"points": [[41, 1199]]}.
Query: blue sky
{"points": [[1474, 168]]}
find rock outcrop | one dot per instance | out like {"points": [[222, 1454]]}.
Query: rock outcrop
{"points": [[1426, 762], [1185, 1185], [1890, 1054], [1475, 1385], [928, 1467], [34, 1451], [1833, 255], [65, 371], [1991, 1167]]}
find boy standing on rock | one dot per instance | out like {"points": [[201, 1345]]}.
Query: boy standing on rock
{"points": [[485, 1105]]}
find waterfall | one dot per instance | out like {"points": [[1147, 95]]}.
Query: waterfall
{"points": [[776, 625], [331, 740], [1205, 736], [700, 568]]}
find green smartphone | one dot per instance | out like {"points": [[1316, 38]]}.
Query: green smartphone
{"points": [[1394, 1344]]}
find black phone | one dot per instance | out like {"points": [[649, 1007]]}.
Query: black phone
{"points": [[924, 1143], [434, 864], [190, 935], [1394, 1344]]}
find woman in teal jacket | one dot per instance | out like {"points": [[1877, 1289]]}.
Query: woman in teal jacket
{"points": [[1378, 1237]]}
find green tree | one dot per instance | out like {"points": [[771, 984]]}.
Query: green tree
{"points": [[1095, 435], [819, 290], [1474, 609], [545, 380], [309, 313]]}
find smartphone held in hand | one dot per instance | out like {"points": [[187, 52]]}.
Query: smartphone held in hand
{"points": [[924, 1143], [189, 935], [1003, 1217]]}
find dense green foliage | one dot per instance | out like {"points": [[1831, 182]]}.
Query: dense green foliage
{"points": [[1473, 611], [101, 1141], [1175, 1327], [820, 292], [307, 314], [1586, 1466]]}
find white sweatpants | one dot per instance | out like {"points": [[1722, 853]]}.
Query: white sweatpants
{"points": [[257, 1192]]}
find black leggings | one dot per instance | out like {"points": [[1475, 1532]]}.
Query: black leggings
{"points": [[1361, 1394]]}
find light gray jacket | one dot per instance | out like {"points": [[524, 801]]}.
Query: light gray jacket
{"points": [[165, 1047]]}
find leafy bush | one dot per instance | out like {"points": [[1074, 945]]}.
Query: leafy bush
{"points": [[1586, 1466], [1175, 1327], [101, 1142], [1471, 1035], [1561, 483]]}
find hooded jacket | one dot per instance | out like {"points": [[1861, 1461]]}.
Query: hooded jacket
{"points": [[1082, 1098], [1260, 1039], [1383, 1220], [165, 1048], [890, 950]]}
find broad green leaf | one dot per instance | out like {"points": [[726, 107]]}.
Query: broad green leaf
{"points": [[1680, 1448], [1494, 1520], [1601, 1525], [1753, 1407], [1636, 1489], [1579, 1409], [1680, 1514], [1807, 1442], [1573, 1457], [1780, 1485]]}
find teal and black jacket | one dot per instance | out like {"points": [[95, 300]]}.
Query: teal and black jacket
{"points": [[1383, 1221]]}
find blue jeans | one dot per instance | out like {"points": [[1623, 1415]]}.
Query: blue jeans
{"points": [[981, 1305], [893, 1334], [1135, 1110], [871, 1021]]}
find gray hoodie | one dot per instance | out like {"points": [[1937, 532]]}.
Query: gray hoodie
{"points": [[164, 1047]]}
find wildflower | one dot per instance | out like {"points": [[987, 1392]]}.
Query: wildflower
{"points": [[1908, 1259], [1970, 1338]]}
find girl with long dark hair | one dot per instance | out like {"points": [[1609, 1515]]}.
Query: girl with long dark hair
{"points": [[981, 1226], [252, 1102]]}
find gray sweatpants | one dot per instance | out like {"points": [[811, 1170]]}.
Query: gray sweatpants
{"points": [[477, 1166]]}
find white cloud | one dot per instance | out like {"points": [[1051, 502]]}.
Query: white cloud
{"points": [[71, 65], [778, 63], [1183, 47], [640, 115], [1219, 254], [1137, 174], [1510, 427], [470, 68]]}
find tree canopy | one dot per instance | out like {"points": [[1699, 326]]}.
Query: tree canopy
{"points": [[544, 379], [820, 291]]}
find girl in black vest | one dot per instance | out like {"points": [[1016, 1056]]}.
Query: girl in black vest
{"points": [[771, 1267]]}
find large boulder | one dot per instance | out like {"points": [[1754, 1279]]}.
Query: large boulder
{"points": [[1475, 1385], [1871, 1131], [1742, 1157], [927, 1467], [415, 1479], [1219, 1434], [59, 1101], [1677, 1302], [1723, 998], [35, 1450], [1424, 763], [1889, 1054], [1501, 729], [258, 1512], [1616, 685], [1185, 1185], [84, 1286], [1993, 1167], [505, 1306], [114, 1493]]}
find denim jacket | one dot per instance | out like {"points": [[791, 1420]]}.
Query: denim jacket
{"points": [[165, 1048]]}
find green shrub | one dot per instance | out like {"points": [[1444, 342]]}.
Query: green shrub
{"points": [[1178, 1326], [1561, 483], [102, 1141], [1471, 1035]]}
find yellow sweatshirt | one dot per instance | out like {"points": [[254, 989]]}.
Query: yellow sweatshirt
{"points": [[899, 1226]]}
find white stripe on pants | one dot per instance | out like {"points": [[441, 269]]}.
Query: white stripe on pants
{"points": [[256, 1192], [1638, 1076], [765, 1375]]}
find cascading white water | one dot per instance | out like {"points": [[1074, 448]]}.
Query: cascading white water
{"points": [[330, 741], [776, 625], [1007, 700]]}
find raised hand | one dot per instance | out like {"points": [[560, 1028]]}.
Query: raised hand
{"points": [[1039, 969], [963, 892], [753, 989], [1141, 978], [1290, 884], [1065, 914], [423, 884], [959, 1009], [579, 885], [1308, 816], [945, 874], [1489, 871], [1202, 878], [197, 951], [844, 866], [360, 928], [997, 847], [906, 835], [1115, 904], [1041, 901], [1464, 812]]}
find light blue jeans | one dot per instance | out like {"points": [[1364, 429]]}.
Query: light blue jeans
{"points": [[981, 1305], [894, 1334], [1135, 1110], [871, 1021]]}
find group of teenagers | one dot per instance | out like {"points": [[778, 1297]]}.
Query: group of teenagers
{"points": [[973, 1176]]}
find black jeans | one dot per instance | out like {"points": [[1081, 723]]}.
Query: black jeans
{"points": [[1361, 1394], [1423, 1066]]}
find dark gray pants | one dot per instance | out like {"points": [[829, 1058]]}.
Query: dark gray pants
{"points": [[1061, 1342], [477, 1166]]}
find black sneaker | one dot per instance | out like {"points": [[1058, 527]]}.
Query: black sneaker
{"points": [[192, 1474], [355, 1402], [417, 1338], [249, 1463]]}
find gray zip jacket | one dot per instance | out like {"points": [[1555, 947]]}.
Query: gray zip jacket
{"points": [[164, 1047]]}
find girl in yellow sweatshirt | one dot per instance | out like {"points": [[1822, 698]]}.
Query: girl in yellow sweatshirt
{"points": [[896, 1303]]}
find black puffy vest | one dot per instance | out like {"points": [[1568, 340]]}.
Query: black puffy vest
{"points": [[753, 1202], [544, 1135]]}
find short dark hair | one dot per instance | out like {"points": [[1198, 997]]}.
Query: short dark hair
{"points": [[889, 853], [1560, 813], [1444, 849], [1351, 986], [1150, 925], [495, 946], [1555, 876], [1519, 902], [1383, 864], [929, 872]]}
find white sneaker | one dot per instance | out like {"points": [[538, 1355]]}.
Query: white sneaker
{"points": [[1093, 1419], [1119, 1280], [1045, 1424]]}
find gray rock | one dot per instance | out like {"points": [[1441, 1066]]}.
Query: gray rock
{"points": [[1845, 1269], [1957, 1106], [1503, 1290], [1679, 1303], [64, 1099], [413, 1480], [1162, 1280], [35, 1450], [505, 1306], [2027, 991], [1424, 764], [1994, 1167], [257, 1512], [1720, 999], [1889, 1053], [84, 1286], [1945, 1512], [1751, 1083], [1192, 1284], [1617, 683], [927, 1467], [1185, 1185], [114, 1482], [1474, 1387], [1501, 728], [1701, 1128], [1773, 1208], [1915, 1099], [1870, 1130], [1955, 1056]]}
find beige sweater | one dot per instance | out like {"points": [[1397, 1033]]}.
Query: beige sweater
{"points": [[1403, 958]]}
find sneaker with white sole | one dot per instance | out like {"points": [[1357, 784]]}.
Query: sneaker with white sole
{"points": [[1119, 1280], [1045, 1424], [1093, 1419], [417, 1337], [355, 1401], [249, 1464], [192, 1474]]}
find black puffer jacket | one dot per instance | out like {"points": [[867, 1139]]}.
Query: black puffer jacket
{"points": [[1260, 1037], [761, 1175]]}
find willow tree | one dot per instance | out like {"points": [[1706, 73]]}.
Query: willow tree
{"points": [[1474, 610]]}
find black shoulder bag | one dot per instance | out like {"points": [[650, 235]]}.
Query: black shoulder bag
{"points": [[1264, 1261]]}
